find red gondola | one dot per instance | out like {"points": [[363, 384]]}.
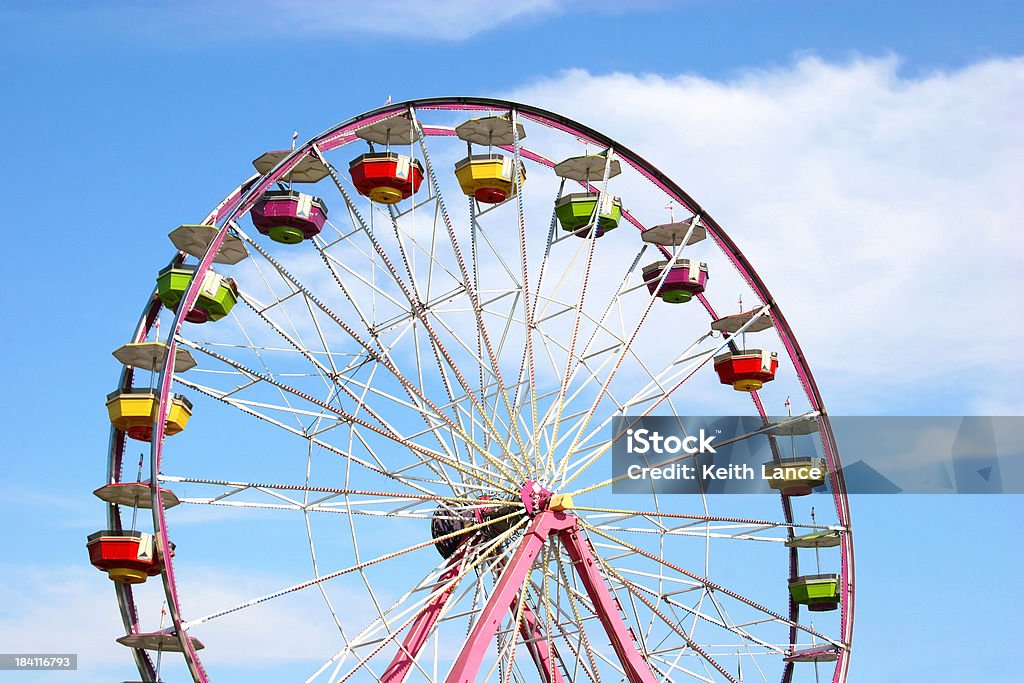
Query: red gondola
{"points": [[386, 177]]}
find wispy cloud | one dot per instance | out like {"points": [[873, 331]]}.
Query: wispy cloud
{"points": [[445, 20], [192, 21]]}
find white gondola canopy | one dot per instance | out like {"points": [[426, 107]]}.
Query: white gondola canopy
{"points": [[673, 234], [731, 324], [397, 130], [310, 169], [135, 494], [796, 427], [151, 356], [194, 240], [489, 130], [161, 641], [587, 168]]}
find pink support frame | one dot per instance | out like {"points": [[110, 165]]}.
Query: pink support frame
{"points": [[539, 647], [537, 644], [418, 633], [546, 524]]}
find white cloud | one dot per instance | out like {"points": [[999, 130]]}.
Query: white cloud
{"points": [[444, 20], [883, 211], [63, 610], [73, 610]]}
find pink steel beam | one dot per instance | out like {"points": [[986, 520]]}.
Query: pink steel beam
{"points": [[607, 607], [416, 638], [545, 524], [511, 581], [539, 646], [418, 633]]}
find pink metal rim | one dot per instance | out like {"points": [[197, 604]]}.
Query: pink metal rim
{"points": [[241, 200]]}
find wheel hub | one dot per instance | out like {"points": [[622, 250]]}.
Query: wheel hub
{"points": [[499, 517]]}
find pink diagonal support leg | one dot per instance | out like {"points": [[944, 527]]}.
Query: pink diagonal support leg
{"points": [[607, 607], [414, 640], [400, 666], [539, 646], [511, 582], [545, 524]]}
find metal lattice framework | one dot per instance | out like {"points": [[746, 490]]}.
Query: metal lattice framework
{"points": [[448, 363]]}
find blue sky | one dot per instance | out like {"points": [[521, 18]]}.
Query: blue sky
{"points": [[124, 119]]}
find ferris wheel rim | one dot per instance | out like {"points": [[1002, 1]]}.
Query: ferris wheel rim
{"points": [[238, 202]]}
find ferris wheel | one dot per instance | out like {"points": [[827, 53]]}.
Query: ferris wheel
{"points": [[371, 398]]}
